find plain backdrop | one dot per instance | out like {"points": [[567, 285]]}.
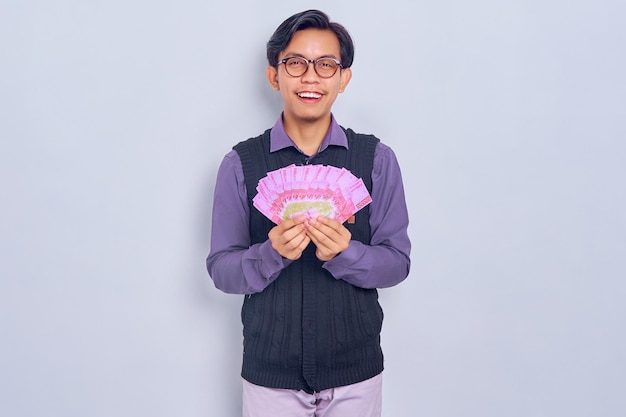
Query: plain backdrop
{"points": [[507, 117]]}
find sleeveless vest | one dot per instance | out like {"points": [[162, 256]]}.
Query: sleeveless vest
{"points": [[307, 330]]}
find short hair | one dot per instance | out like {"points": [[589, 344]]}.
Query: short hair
{"points": [[310, 19]]}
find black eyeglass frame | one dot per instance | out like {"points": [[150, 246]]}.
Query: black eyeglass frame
{"points": [[311, 61]]}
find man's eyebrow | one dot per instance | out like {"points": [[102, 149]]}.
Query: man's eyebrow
{"points": [[292, 54]]}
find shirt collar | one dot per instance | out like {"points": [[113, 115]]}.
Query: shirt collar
{"points": [[279, 139]]}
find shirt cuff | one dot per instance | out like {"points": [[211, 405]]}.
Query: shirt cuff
{"points": [[340, 264], [273, 263]]}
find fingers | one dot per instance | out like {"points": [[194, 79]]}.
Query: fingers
{"points": [[290, 228], [292, 236], [327, 230], [329, 236], [293, 249], [289, 238]]}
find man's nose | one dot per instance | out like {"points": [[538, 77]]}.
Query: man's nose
{"points": [[310, 74]]}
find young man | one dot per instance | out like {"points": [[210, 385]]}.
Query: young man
{"points": [[311, 318]]}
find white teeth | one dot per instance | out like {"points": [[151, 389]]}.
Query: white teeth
{"points": [[309, 95]]}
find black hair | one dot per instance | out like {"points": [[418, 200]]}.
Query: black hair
{"points": [[310, 19]]}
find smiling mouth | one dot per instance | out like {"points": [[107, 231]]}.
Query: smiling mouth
{"points": [[308, 94]]}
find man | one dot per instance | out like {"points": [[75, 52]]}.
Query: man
{"points": [[311, 318]]}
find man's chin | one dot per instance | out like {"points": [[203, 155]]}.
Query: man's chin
{"points": [[312, 118]]}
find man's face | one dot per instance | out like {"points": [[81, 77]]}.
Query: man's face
{"points": [[309, 97]]}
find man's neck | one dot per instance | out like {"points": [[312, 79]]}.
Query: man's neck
{"points": [[307, 136]]}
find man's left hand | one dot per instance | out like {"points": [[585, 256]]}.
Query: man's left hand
{"points": [[329, 236]]}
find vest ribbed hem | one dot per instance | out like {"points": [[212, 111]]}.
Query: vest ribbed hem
{"points": [[291, 378]]}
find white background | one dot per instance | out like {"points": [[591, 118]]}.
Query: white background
{"points": [[508, 119]]}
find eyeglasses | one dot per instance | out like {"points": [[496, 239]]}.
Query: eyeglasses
{"points": [[297, 66]]}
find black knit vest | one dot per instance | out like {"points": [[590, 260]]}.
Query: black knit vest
{"points": [[307, 330]]}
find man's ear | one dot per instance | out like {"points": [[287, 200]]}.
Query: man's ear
{"points": [[346, 76], [271, 73]]}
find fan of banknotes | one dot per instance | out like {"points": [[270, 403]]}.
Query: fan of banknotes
{"points": [[311, 190]]}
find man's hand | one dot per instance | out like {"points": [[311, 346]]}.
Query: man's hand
{"points": [[289, 238], [329, 236]]}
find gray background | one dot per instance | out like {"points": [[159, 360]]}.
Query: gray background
{"points": [[508, 119]]}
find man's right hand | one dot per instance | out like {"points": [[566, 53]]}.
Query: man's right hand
{"points": [[289, 238]]}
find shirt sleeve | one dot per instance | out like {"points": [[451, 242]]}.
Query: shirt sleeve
{"points": [[235, 266], [386, 260]]}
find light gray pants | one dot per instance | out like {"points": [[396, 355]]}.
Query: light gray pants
{"points": [[363, 399]]}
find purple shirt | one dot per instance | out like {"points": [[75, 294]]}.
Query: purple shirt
{"points": [[240, 268]]}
